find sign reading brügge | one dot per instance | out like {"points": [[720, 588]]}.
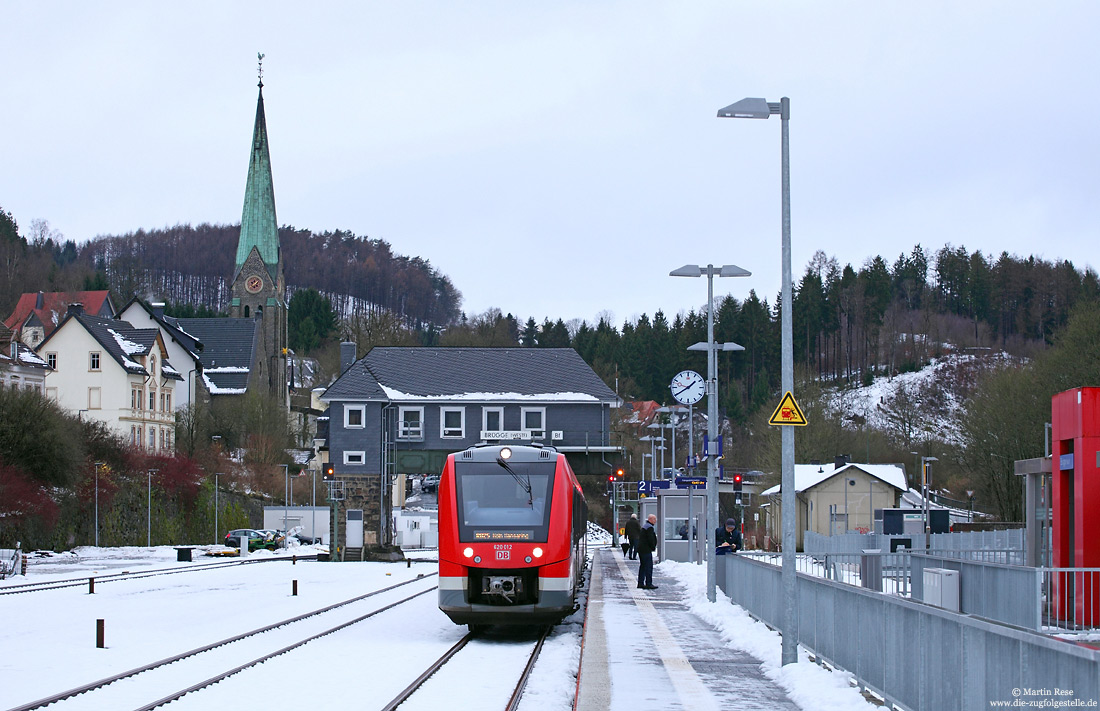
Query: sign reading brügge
{"points": [[504, 434]]}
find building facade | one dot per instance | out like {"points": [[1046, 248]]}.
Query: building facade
{"points": [[400, 411]]}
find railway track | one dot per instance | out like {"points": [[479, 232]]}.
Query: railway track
{"points": [[517, 693], [99, 694], [128, 575]]}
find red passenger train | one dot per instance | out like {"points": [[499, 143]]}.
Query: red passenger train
{"points": [[512, 523]]}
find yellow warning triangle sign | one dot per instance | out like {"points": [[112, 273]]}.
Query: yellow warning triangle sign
{"points": [[788, 412]]}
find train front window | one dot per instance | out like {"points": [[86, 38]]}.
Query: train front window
{"points": [[494, 503]]}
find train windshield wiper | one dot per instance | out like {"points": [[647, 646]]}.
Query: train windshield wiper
{"points": [[526, 484]]}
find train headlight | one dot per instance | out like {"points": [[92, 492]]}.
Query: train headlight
{"points": [[468, 552], [505, 452], [537, 552]]}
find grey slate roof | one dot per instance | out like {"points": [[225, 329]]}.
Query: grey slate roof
{"points": [[448, 372], [227, 349]]}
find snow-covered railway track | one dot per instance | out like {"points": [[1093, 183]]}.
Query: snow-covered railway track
{"points": [[476, 666], [196, 669], [136, 575]]}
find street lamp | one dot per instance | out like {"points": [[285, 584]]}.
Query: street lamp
{"points": [[214, 441], [713, 431], [924, 479], [970, 513], [286, 494], [149, 509], [97, 466], [762, 109]]}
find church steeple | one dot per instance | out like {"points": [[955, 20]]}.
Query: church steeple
{"points": [[259, 225]]}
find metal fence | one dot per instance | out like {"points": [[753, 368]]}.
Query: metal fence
{"points": [[11, 562], [1070, 602], [1008, 540], [915, 656]]}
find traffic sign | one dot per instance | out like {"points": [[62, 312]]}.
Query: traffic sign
{"points": [[788, 412]]}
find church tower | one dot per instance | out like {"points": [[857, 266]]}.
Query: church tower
{"points": [[258, 291]]}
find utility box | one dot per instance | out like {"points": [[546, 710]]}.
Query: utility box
{"points": [[941, 588]]}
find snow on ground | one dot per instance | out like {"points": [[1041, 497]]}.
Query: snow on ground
{"points": [[809, 685], [156, 617]]}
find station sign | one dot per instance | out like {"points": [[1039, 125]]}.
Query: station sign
{"points": [[505, 435], [691, 482], [648, 487]]}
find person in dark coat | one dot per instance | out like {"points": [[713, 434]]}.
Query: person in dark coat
{"points": [[728, 539], [647, 543], [633, 529]]}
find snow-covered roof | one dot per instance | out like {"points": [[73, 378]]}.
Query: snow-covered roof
{"points": [[807, 476]]}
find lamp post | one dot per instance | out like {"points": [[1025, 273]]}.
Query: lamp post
{"points": [[713, 431], [214, 441], [286, 493], [97, 466], [762, 109], [149, 509], [925, 488], [970, 513]]}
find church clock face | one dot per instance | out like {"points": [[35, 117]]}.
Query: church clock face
{"points": [[254, 284]]}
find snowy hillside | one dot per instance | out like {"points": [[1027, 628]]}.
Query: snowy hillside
{"points": [[926, 401]]}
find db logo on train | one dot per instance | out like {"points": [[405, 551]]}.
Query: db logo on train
{"points": [[503, 552]]}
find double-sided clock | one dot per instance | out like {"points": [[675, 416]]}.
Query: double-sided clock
{"points": [[254, 284], [688, 387]]}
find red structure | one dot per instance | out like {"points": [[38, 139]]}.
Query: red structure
{"points": [[1076, 502]]}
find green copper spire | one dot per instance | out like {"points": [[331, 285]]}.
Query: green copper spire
{"points": [[259, 226]]}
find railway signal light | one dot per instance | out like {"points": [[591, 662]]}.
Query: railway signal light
{"points": [[328, 472], [737, 482], [619, 473]]}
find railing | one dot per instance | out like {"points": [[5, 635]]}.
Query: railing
{"points": [[11, 561], [1070, 601], [916, 656]]}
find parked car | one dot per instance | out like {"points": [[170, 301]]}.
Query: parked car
{"points": [[429, 483], [256, 539]]}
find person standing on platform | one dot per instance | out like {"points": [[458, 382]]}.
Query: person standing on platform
{"points": [[633, 529], [647, 543], [728, 539]]}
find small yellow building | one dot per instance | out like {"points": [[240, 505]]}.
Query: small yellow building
{"points": [[833, 500]]}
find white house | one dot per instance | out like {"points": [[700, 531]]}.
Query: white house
{"points": [[183, 349], [120, 375], [20, 367]]}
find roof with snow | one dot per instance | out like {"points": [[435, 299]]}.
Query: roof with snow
{"points": [[474, 374], [228, 346], [120, 340], [807, 476]]}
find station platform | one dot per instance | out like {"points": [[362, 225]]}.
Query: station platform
{"points": [[643, 649]]}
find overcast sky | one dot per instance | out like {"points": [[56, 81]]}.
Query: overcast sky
{"points": [[560, 158]]}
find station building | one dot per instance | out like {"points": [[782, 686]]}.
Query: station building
{"points": [[401, 411]]}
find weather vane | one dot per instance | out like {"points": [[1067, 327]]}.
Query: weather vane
{"points": [[260, 58]]}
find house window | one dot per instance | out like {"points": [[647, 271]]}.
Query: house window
{"points": [[168, 438], [93, 360], [533, 420], [168, 402], [94, 399], [492, 419], [411, 424], [152, 438], [51, 360], [152, 400], [355, 416], [355, 458], [152, 369], [162, 439], [135, 399], [452, 422], [135, 434]]}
